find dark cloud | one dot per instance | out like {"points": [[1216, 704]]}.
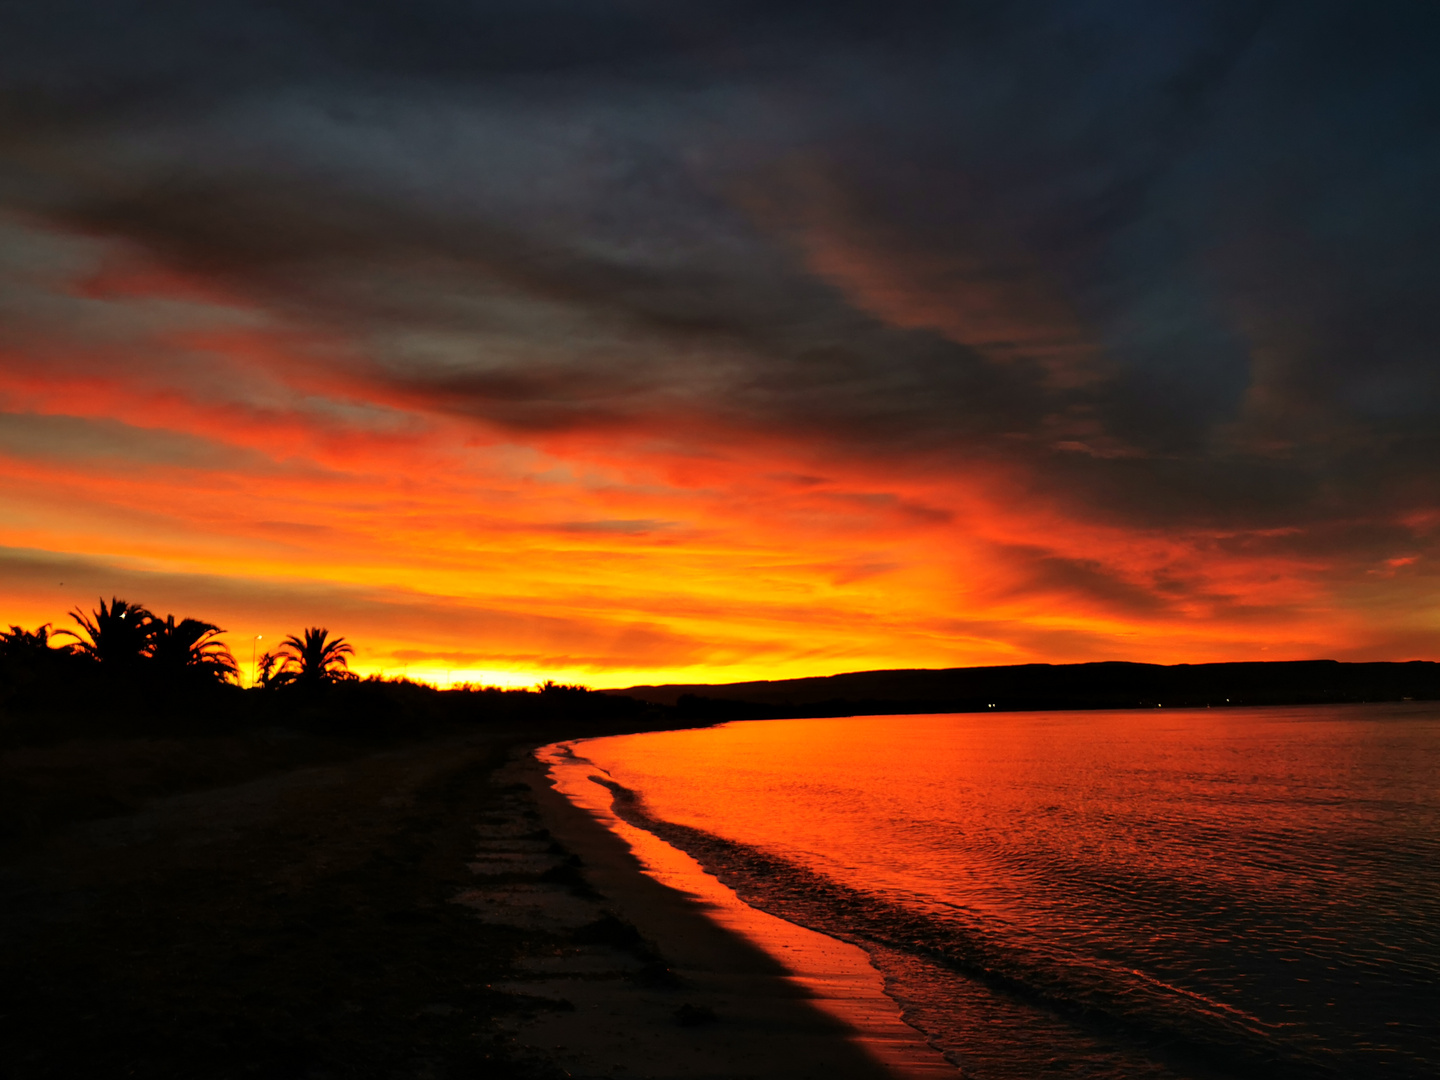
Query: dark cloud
{"points": [[1044, 574], [1177, 261]]}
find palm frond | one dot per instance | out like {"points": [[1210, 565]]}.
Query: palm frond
{"points": [[314, 658], [117, 635], [194, 646]]}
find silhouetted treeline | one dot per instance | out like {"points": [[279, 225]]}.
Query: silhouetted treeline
{"points": [[125, 671], [1111, 685]]}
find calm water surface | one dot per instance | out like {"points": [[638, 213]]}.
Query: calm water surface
{"points": [[1129, 894]]}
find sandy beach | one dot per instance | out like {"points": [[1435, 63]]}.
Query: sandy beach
{"points": [[785, 1002], [429, 910]]}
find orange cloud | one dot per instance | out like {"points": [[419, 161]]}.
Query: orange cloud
{"points": [[267, 478]]}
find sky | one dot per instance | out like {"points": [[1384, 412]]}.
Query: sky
{"points": [[637, 341]]}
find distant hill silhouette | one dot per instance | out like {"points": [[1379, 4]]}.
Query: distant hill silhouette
{"points": [[1108, 685]]}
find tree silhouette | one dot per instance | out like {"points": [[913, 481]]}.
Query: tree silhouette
{"points": [[119, 636], [313, 660], [26, 655], [21, 644], [265, 674], [191, 647]]}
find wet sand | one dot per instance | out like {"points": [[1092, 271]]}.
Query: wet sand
{"points": [[426, 910], [786, 1002]]}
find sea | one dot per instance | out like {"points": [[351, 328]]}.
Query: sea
{"points": [[1135, 894]]}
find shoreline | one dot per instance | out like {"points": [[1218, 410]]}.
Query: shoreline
{"points": [[788, 1001]]}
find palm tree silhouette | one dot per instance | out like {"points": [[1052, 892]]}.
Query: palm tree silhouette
{"points": [[24, 644], [191, 646], [27, 654], [266, 676], [313, 660], [119, 635]]}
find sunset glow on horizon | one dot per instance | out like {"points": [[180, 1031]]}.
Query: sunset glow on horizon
{"points": [[725, 370]]}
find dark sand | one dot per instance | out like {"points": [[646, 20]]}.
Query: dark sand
{"points": [[429, 910]]}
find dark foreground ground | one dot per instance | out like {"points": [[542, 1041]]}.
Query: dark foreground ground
{"points": [[294, 918], [273, 904]]}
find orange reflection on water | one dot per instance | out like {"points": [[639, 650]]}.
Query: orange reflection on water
{"points": [[1260, 883]]}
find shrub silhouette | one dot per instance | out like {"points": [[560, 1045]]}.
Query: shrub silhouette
{"points": [[314, 660]]}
